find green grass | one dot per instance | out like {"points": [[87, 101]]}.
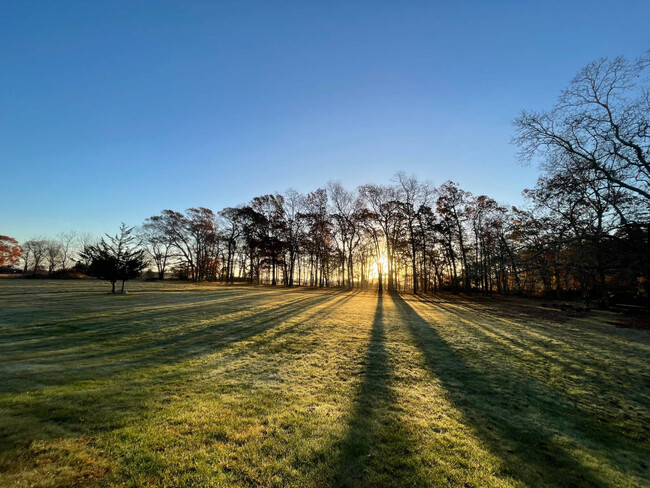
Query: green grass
{"points": [[184, 385]]}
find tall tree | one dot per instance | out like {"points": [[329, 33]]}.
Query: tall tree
{"points": [[253, 223], [294, 206], [53, 254], [202, 232], [194, 237], [345, 212], [452, 207], [271, 207], [157, 243], [35, 253], [318, 237], [385, 210], [581, 204], [231, 231], [415, 198], [67, 242], [600, 123]]}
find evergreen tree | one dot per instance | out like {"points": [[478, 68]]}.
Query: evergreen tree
{"points": [[119, 259]]}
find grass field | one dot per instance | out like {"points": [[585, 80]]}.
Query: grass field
{"points": [[184, 385]]}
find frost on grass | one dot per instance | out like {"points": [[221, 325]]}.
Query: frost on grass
{"points": [[187, 385]]}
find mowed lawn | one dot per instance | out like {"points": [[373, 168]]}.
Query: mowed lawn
{"points": [[187, 385]]}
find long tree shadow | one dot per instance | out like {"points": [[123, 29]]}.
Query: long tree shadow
{"points": [[278, 338], [108, 403], [88, 323], [598, 392], [519, 419], [376, 450], [536, 345], [507, 312], [67, 363]]}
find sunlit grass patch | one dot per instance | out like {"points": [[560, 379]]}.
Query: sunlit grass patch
{"points": [[177, 385]]}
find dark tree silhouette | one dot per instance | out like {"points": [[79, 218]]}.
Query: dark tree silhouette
{"points": [[115, 260], [273, 231], [600, 123], [34, 252], [157, 243], [595, 149]]}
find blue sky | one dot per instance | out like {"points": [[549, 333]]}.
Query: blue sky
{"points": [[112, 111]]}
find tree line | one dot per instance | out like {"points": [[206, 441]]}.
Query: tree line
{"points": [[584, 232]]}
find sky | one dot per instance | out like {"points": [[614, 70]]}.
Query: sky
{"points": [[113, 111]]}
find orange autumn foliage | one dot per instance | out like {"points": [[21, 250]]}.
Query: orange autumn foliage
{"points": [[10, 251]]}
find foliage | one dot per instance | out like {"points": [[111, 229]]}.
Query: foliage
{"points": [[10, 251], [115, 260]]}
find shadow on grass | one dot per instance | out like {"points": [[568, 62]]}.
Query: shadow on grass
{"points": [[519, 419], [526, 342], [277, 343], [87, 408], [376, 450], [66, 363], [609, 382], [46, 325]]}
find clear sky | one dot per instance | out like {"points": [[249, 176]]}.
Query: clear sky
{"points": [[112, 111]]}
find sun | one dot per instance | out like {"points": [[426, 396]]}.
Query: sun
{"points": [[379, 264]]}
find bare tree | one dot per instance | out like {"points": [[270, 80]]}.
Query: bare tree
{"points": [[385, 210], [194, 237], [83, 241], [53, 254], [318, 237], [35, 251], [231, 231], [601, 123], [345, 212], [452, 206], [67, 242], [157, 243], [415, 198], [26, 256], [294, 205]]}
